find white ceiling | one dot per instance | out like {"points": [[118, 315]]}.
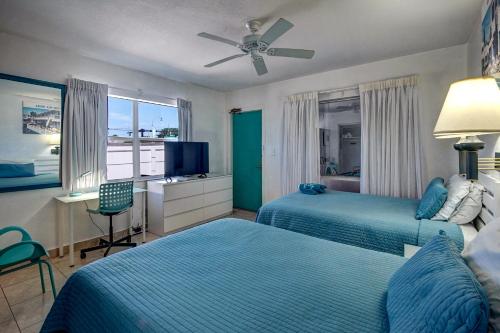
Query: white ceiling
{"points": [[159, 36]]}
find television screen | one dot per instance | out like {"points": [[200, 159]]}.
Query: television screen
{"points": [[186, 158]]}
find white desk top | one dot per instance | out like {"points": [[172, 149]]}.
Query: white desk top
{"points": [[88, 196]]}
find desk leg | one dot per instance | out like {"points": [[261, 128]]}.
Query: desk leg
{"points": [[60, 229], [131, 220], [144, 217], [71, 235]]}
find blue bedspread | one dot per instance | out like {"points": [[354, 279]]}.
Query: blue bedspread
{"points": [[29, 183], [373, 222], [229, 276]]}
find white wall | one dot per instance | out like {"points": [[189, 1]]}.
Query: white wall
{"points": [[437, 69], [35, 210]]}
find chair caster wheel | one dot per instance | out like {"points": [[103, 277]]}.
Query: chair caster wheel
{"points": [[83, 255]]}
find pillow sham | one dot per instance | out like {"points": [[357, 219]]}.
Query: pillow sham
{"points": [[433, 199], [458, 189], [435, 291], [13, 170], [483, 257], [470, 207]]}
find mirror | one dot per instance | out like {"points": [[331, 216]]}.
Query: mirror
{"points": [[30, 133]]}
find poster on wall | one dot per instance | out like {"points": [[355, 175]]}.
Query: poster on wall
{"points": [[490, 57], [41, 116]]}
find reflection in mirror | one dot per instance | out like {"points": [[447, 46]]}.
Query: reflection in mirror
{"points": [[30, 133]]}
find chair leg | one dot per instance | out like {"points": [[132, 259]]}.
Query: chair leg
{"points": [[42, 280], [51, 275], [110, 235]]}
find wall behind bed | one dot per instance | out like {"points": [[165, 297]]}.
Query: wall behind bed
{"points": [[35, 210], [437, 69]]}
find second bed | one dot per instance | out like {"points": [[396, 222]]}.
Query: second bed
{"points": [[373, 222]]}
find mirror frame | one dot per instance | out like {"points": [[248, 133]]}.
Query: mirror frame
{"points": [[62, 88]]}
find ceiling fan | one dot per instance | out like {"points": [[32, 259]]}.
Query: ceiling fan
{"points": [[255, 44]]}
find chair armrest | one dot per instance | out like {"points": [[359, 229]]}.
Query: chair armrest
{"points": [[38, 251], [25, 235]]}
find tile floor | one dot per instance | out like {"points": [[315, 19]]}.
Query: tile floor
{"points": [[23, 307]]}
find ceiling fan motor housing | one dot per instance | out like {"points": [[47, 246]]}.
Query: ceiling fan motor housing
{"points": [[250, 42]]}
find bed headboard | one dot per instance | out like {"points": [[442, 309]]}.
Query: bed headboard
{"points": [[491, 196]]}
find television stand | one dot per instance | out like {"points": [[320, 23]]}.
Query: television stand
{"points": [[203, 175]]}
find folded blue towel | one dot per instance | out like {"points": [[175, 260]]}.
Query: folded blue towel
{"points": [[312, 188]]}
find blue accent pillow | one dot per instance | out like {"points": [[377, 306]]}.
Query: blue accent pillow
{"points": [[12, 170], [434, 197], [435, 291]]}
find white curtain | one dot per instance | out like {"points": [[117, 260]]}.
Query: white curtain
{"points": [[84, 134], [300, 157], [391, 158], [185, 123]]}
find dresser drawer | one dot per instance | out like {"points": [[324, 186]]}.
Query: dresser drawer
{"points": [[219, 209], [183, 190], [183, 220], [217, 184], [213, 198], [183, 205]]}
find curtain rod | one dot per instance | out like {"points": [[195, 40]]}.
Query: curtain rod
{"points": [[138, 92], [355, 87]]}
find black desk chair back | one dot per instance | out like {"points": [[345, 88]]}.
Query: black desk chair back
{"points": [[114, 199]]}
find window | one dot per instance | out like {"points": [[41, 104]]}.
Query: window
{"points": [[340, 137], [135, 148]]}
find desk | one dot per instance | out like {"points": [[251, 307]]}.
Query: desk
{"points": [[69, 203]]}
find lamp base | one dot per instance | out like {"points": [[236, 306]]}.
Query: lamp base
{"points": [[467, 149], [75, 194]]}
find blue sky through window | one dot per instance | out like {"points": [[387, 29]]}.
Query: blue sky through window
{"points": [[150, 116]]}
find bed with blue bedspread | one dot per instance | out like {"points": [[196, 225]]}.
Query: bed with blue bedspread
{"points": [[229, 276], [368, 221], [42, 180]]}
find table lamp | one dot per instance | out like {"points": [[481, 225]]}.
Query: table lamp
{"points": [[471, 108], [74, 192], [55, 141]]}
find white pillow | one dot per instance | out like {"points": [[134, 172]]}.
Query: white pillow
{"points": [[470, 207], [483, 257], [458, 189]]}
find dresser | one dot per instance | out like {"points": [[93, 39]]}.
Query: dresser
{"points": [[181, 203]]}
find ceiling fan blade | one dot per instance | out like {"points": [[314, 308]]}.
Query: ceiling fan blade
{"points": [[218, 39], [218, 62], [292, 53], [259, 64], [276, 31]]}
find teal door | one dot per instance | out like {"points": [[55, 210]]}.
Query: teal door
{"points": [[247, 160]]}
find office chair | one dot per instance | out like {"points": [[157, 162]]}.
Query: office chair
{"points": [[114, 199]]}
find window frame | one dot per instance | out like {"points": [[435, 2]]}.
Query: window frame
{"points": [[136, 140]]}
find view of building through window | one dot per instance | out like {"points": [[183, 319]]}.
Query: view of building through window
{"points": [[156, 123]]}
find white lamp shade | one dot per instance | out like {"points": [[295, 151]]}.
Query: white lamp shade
{"points": [[472, 107], [54, 139]]}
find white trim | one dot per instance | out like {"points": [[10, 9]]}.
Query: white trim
{"points": [[141, 97]]}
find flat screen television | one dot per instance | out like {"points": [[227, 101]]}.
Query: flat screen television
{"points": [[186, 158]]}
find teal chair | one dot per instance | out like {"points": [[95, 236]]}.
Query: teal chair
{"points": [[114, 199], [23, 254]]}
